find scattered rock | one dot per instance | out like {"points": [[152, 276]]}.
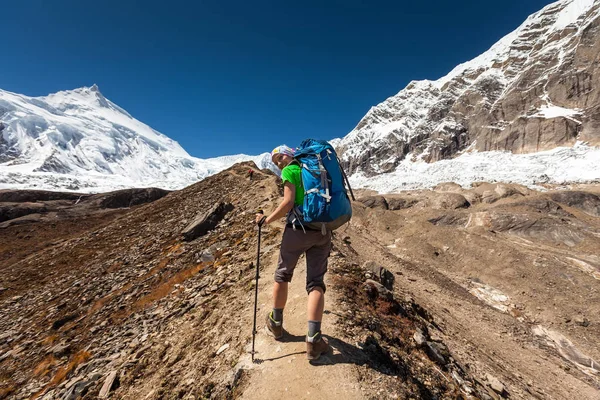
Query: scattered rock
{"points": [[128, 197], [419, 337], [109, 383], [78, 390], [491, 193], [60, 350], [450, 220], [223, 348], [15, 210], [581, 320], [437, 352], [495, 384], [206, 257], [541, 205]]}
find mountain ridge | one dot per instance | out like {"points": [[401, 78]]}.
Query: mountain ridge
{"points": [[521, 95]]}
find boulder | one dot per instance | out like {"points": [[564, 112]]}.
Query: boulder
{"points": [[374, 202], [376, 290], [449, 201], [587, 202], [399, 203], [448, 187], [499, 191], [380, 274], [206, 221]]}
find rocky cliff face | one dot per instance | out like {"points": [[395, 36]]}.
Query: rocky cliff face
{"points": [[534, 90]]}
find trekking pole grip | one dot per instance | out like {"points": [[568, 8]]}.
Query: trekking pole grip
{"points": [[262, 220]]}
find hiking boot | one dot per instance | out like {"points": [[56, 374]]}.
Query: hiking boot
{"points": [[275, 327], [316, 346]]}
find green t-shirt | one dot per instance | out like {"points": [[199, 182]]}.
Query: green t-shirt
{"points": [[293, 174]]}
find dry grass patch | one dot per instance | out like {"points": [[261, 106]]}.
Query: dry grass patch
{"points": [[165, 288], [63, 373], [45, 366]]}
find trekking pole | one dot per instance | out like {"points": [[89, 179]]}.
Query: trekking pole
{"points": [[256, 286]]}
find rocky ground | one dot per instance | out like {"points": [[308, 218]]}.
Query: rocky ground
{"points": [[483, 293]]}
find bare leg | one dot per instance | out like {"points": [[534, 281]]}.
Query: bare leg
{"points": [[280, 294], [316, 304]]}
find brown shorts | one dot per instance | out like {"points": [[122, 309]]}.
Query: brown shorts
{"points": [[316, 246]]}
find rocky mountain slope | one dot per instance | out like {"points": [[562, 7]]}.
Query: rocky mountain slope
{"points": [[81, 141], [535, 89], [490, 292]]}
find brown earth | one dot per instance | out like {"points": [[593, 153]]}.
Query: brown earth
{"points": [[496, 295]]}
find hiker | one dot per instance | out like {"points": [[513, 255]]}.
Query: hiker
{"points": [[250, 173], [298, 239]]}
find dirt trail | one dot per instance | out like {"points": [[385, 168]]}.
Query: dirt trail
{"points": [[282, 370]]}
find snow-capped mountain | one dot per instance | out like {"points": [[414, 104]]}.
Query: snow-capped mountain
{"points": [[79, 140], [536, 89]]}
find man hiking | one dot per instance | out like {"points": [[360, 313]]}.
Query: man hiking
{"points": [[298, 239]]}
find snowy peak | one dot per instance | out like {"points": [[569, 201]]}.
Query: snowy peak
{"points": [[81, 98], [533, 90], [77, 139]]}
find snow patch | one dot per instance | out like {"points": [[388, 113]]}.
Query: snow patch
{"points": [[580, 163], [572, 12], [552, 111]]}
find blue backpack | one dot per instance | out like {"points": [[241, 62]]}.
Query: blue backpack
{"points": [[326, 204]]}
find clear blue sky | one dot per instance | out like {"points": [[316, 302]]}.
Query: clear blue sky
{"points": [[227, 77]]}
